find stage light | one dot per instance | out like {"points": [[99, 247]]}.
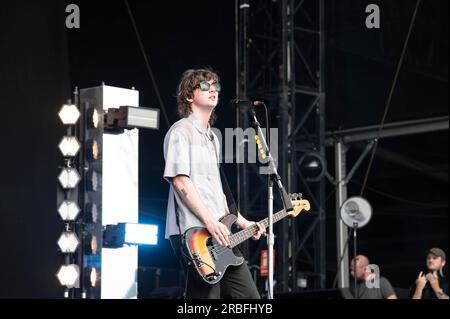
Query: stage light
{"points": [[91, 212], [93, 277], [69, 146], [115, 236], [69, 276], [92, 150], [94, 213], [68, 210], [312, 166], [132, 117], [94, 245], [69, 114], [141, 234], [93, 117], [69, 178], [93, 181], [68, 242]]}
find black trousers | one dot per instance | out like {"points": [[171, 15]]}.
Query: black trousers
{"points": [[236, 283]]}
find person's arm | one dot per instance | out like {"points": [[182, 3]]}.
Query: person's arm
{"points": [[421, 281], [434, 283], [386, 289], [191, 198], [243, 223]]}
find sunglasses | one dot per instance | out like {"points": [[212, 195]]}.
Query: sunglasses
{"points": [[205, 86]]}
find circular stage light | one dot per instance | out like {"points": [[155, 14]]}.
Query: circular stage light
{"points": [[312, 166], [93, 117], [92, 150], [93, 277]]}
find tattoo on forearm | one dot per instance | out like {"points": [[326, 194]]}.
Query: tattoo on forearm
{"points": [[183, 191]]}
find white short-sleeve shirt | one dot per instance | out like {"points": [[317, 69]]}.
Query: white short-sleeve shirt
{"points": [[193, 152]]}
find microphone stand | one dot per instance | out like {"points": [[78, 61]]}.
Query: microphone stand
{"points": [[355, 266], [274, 178]]}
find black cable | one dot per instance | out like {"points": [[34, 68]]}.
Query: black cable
{"points": [[391, 93], [400, 199], [150, 72]]}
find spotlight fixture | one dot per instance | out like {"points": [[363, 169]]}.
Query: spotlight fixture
{"points": [[94, 181], [68, 242], [91, 213], [69, 276], [92, 150], [69, 178], [69, 146], [93, 117], [69, 114], [94, 244], [132, 117], [115, 236], [93, 277], [312, 166], [68, 210], [90, 245]]}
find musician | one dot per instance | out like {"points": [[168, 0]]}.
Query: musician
{"points": [[196, 197], [432, 284]]}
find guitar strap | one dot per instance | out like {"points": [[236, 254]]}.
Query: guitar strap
{"points": [[226, 188]]}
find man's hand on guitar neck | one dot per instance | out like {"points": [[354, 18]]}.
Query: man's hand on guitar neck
{"points": [[244, 223]]}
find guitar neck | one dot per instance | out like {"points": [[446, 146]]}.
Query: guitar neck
{"points": [[251, 231]]}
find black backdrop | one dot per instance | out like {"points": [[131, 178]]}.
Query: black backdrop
{"points": [[41, 61], [34, 80]]}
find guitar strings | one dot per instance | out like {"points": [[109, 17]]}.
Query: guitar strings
{"points": [[220, 250]]}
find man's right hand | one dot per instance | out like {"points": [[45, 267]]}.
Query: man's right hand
{"points": [[219, 231], [421, 281]]}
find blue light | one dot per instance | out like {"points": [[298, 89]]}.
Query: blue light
{"points": [[141, 234]]}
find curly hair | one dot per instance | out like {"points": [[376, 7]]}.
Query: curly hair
{"points": [[188, 82]]}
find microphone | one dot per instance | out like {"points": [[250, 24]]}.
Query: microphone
{"points": [[247, 104]]}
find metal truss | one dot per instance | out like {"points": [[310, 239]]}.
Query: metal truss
{"points": [[281, 59]]}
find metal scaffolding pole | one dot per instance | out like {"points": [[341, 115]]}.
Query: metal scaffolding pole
{"points": [[242, 117], [281, 60], [341, 229]]}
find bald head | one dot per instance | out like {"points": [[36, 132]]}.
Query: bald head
{"points": [[361, 263]]}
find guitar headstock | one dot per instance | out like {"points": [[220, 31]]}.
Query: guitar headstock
{"points": [[298, 204]]}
